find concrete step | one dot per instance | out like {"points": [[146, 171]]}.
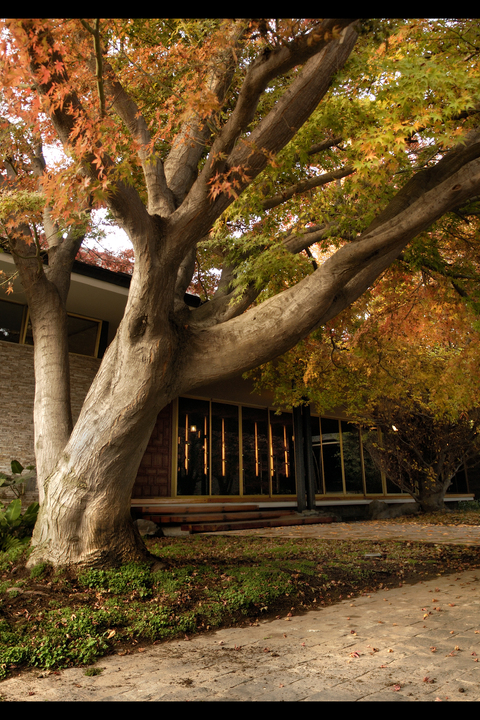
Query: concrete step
{"points": [[160, 509], [177, 519], [250, 524]]}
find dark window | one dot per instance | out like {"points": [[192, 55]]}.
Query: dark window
{"points": [[83, 335], [193, 456], [352, 459], [256, 476], [332, 458], [225, 449], [283, 459], [11, 321]]}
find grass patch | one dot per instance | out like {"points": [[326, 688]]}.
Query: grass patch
{"points": [[55, 619]]}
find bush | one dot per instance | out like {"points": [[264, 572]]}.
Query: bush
{"points": [[470, 505]]}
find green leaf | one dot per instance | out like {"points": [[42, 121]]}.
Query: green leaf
{"points": [[30, 514], [17, 468], [13, 511]]}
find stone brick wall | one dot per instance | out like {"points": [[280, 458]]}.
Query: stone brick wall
{"points": [[17, 391], [154, 474]]}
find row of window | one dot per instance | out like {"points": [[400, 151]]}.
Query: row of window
{"points": [[226, 449], [86, 336]]}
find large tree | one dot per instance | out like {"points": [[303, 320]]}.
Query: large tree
{"points": [[243, 141]]}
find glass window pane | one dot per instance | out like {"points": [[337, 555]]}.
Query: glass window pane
{"points": [[459, 482], [373, 476], [11, 318], [192, 467], [317, 455], [332, 461], [255, 451], [225, 449], [352, 463], [82, 335], [283, 476]]}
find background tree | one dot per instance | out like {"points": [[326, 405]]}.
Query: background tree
{"points": [[233, 146], [403, 360]]}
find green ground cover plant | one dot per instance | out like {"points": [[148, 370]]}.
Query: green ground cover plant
{"points": [[55, 619]]}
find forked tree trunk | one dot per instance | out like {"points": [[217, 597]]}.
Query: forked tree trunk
{"points": [[84, 519]]}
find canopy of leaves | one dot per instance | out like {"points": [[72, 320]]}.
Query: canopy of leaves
{"points": [[409, 91]]}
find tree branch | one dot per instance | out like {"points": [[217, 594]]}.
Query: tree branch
{"points": [[124, 201], [304, 186], [250, 156], [188, 146], [160, 199], [288, 317], [98, 61]]}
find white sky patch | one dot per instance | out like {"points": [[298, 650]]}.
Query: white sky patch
{"points": [[115, 239]]}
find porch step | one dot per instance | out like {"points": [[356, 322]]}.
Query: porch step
{"points": [[215, 517], [261, 523], [163, 510], [190, 518]]}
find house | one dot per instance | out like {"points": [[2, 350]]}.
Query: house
{"points": [[222, 444]]}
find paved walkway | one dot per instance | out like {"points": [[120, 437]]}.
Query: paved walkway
{"points": [[413, 643], [373, 530]]}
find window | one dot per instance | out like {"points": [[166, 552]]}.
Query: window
{"points": [[283, 458], [255, 451], [193, 447], [332, 455], [225, 449], [86, 336], [11, 321], [341, 463]]}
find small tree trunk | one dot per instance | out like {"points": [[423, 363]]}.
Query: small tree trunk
{"points": [[432, 500]]}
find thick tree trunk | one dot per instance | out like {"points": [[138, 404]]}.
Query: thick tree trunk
{"points": [[432, 499], [84, 518]]}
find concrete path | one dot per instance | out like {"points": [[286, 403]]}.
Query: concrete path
{"points": [[373, 530], [413, 643]]}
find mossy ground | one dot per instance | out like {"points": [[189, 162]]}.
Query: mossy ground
{"points": [[53, 619]]}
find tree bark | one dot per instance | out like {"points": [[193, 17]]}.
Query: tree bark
{"points": [[85, 519], [432, 501]]}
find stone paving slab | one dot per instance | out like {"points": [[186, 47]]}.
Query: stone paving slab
{"points": [[379, 529], [384, 646]]}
